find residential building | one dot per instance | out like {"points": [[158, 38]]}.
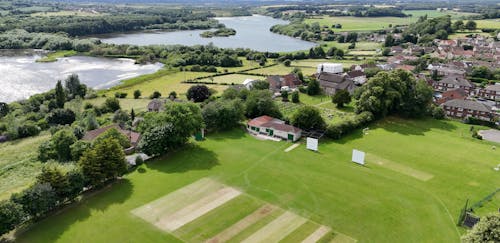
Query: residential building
{"points": [[491, 92], [454, 82], [273, 127], [467, 108], [277, 82], [134, 137], [452, 94], [331, 83]]}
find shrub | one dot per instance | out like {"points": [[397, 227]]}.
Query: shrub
{"points": [[198, 93], [137, 94], [295, 97], [155, 95], [139, 160], [438, 112], [11, 215], [120, 95], [111, 105], [28, 129], [61, 117], [337, 130], [287, 63]]}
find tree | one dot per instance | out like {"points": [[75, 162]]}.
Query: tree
{"points": [[295, 97], [386, 52], [458, 25], [90, 121], [4, 109], [260, 102], [60, 95], [155, 95], [260, 85], [287, 63], [313, 87], [121, 117], [78, 148], [132, 115], [105, 161], [172, 95], [62, 140], [37, 200], [230, 94], [471, 25], [111, 104], [389, 41], [170, 128], [341, 97], [113, 133], [11, 215], [396, 92], [223, 114], [61, 117], [284, 96], [73, 86], [308, 118], [198, 93], [487, 230], [137, 94], [55, 177]]}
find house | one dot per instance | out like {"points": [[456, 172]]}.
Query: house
{"points": [[273, 127], [491, 92], [156, 105], [277, 82], [134, 137], [396, 50], [467, 108], [452, 94], [331, 83], [454, 82]]}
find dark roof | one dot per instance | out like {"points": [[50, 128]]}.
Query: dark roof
{"points": [[282, 127], [331, 77], [133, 137], [468, 104], [470, 220], [356, 73], [494, 87], [276, 81], [456, 80]]}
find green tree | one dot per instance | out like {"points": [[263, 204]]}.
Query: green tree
{"points": [[37, 200], [113, 133], [230, 94], [105, 161], [155, 95], [487, 230], [73, 86], [4, 109], [389, 41], [137, 94], [61, 117], [172, 95], [295, 97], [284, 96], [260, 102], [11, 215], [62, 140], [471, 25], [313, 87], [287, 63], [121, 117], [198, 93], [308, 118], [111, 104], [78, 148], [260, 85], [458, 25], [341, 97], [223, 114], [60, 95], [54, 176]]}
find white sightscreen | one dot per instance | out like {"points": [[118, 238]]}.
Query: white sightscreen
{"points": [[312, 144], [358, 157]]}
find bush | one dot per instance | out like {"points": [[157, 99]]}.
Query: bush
{"points": [[61, 117], [308, 118], [155, 95], [198, 93], [120, 95], [139, 160], [438, 112], [111, 105], [78, 148], [287, 63], [116, 135], [337, 130], [28, 129], [62, 140], [295, 97], [137, 94], [11, 215], [37, 200]]}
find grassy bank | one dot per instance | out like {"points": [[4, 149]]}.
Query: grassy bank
{"points": [[53, 56]]}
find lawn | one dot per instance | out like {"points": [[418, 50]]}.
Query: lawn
{"points": [[126, 104], [231, 78], [18, 164], [374, 203]]}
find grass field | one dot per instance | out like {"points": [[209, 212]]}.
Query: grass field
{"points": [[231, 78], [350, 23], [370, 204], [18, 164]]}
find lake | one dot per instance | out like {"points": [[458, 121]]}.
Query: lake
{"points": [[251, 32], [22, 76]]}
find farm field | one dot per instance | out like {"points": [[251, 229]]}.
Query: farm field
{"points": [[488, 23], [231, 78], [418, 175]]}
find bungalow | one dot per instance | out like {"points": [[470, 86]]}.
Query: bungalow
{"points": [[133, 137], [467, 108], [273, 127], [491, 92], [277, 82], [454, 82], [331, 83]]}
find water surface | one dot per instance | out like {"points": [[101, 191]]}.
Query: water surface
{"points": [[22, 76], [251, 32]]}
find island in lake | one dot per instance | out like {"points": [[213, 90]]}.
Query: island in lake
{"points": [[222, 32]]}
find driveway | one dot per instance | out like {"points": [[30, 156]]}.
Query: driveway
{"points": [[490, 135]]}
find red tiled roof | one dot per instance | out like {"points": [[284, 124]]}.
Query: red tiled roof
{"points": [[452, 95], [282, 127], [257, 122]]}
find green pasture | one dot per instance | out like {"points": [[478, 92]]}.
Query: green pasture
{"points": [[372, 203]]}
